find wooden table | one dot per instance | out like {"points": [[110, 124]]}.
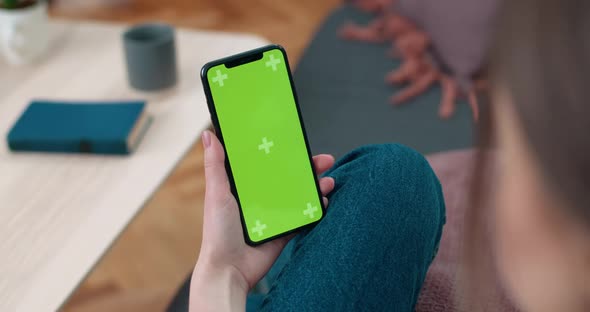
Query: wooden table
{"points": [[60, 213]]}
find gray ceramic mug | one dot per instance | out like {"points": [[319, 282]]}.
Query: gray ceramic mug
{"points": [[150, 53]]}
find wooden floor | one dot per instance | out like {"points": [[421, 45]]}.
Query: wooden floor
{"points": [[157, 251]]}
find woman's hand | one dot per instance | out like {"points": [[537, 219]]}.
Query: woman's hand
{"points": [[227, 268]]}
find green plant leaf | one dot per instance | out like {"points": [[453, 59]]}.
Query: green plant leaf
{"points": [[10, 4]]}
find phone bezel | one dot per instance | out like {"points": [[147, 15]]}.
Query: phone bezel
{"points": [[238, 58]]}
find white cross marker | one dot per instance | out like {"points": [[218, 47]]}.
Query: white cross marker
{"points": [[259, 228], [220, 78], [310, 210], [273, 62], [265, 145]]}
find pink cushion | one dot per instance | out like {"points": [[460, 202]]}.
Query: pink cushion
{"points": [[460, 31], [454, 170]]}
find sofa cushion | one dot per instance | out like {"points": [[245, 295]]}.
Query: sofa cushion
{"points": [[440, 290]]}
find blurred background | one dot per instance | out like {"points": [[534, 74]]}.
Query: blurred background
{"points": [[290, 22]]}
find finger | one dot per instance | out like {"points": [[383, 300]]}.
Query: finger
{"points": [[402, 43], [449, 98], [422, 42], [409, 68], [399, 26], [400, 75], [326, 202], [348, 31], [474, 103], [327, 185], [415, 89], [216, 182], [322, 163]]}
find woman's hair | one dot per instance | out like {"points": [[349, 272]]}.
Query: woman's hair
{"points": [[541, 57]]}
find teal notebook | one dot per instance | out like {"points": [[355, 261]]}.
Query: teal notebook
{"points": [[79, 127]]}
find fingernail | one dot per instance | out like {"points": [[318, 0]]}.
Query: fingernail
{"points": [[206, 138]]}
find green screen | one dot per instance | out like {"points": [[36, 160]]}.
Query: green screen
{"points": [[265, 144]]}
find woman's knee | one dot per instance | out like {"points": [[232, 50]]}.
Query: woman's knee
{"points": [[387, 168], [377, 237], [392, 187]]}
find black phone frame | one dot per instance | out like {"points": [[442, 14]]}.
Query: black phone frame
{"points": [[237, 60]]}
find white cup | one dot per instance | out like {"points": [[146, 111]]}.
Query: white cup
{"points": [[24, 33]]}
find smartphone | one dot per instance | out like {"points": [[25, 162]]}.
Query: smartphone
{"points": [[254, 110]]}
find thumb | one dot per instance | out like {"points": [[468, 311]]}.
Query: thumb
{"points": [[217, 184]]}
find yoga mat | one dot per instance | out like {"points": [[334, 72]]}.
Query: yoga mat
{"points": [[345, 101]]}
